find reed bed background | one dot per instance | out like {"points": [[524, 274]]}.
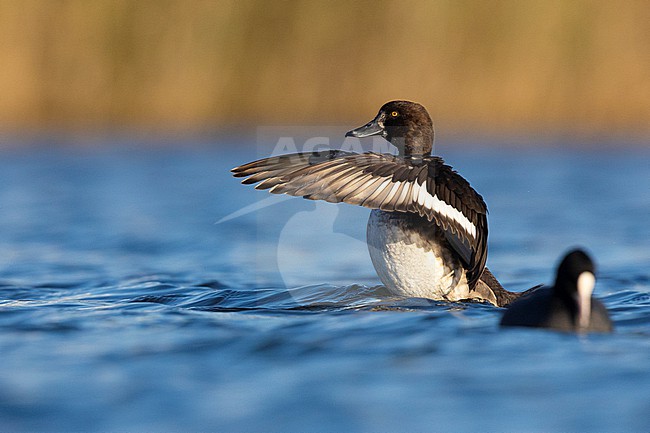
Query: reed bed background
{"points": [[497, 66]]}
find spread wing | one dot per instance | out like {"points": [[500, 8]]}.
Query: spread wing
{"points": [[424, 186]]}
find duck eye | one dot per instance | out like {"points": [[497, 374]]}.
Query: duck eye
{"points": [[394, 114]]}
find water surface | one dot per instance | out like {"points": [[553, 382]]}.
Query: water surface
{"points": [[125, 305]]}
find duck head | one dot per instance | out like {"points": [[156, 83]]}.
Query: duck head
{"points": [[406, 125]]}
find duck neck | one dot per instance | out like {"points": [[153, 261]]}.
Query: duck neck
{"points": [[414, 142], [408, 147]]}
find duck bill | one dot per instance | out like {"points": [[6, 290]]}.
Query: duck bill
{"points": [[586, 283], [371, 128]]}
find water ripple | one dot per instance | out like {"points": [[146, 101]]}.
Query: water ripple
{"points": [[123, 307]]}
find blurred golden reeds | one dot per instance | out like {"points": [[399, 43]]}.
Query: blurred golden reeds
{"points": [[533, 65]]}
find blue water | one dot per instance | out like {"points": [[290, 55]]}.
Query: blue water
{"points": [[132, 300]]}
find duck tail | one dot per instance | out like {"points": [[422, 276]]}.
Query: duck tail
{"points": [[502, 297]]}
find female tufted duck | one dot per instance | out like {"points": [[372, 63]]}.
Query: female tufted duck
{"points": [[427, 231]]}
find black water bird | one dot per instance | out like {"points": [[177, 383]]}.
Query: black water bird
{"points": [[427, 232], [568, 305]]}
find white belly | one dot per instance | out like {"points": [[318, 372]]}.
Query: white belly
{"points": [[413, 259]]}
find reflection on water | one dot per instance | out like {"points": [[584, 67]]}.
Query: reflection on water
{"points": [[123, 306]]}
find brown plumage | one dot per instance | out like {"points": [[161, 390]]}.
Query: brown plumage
{"points": [[412, 182]]}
